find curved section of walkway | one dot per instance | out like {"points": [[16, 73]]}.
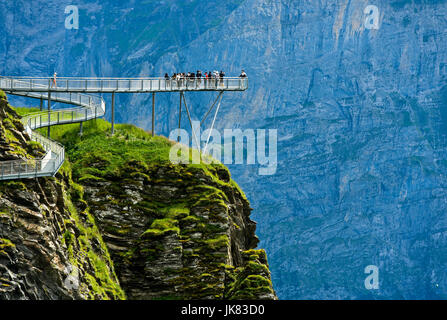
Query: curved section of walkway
{"points": [[89, 107]]}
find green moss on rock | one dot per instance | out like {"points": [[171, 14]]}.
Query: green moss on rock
{"points": [[160, 227], [252, 279], [100, 275]]}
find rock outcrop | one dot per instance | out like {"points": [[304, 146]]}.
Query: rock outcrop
{"points": [[172, 231], [179, 232]]}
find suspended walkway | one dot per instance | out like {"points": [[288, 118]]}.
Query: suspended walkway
{"points": [[73, 91], [121, 85]]}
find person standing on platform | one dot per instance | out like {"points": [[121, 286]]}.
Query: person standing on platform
{"points": [[54, 81], [210, 79], [167, 82], [199, 78], [216, 78], [243, 77], [221, 76]]}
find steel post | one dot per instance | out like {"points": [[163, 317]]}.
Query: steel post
{"points": [[153, 113]]}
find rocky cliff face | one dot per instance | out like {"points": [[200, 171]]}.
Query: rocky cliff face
{"points": [[173, 231], [179, 232], [361, 116]]}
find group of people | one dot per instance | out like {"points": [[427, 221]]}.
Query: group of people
{"points": [[190, 78]]}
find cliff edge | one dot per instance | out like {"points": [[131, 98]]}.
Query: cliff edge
{"points": [[119, 221]]}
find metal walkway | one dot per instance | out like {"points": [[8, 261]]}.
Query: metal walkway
{"points": [[121, 85], [71, 91]]}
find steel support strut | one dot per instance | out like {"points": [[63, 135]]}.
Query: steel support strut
{"points": [[217, 101], [214, 120], [153, 113], [113, 113], [179, 117], [190, 122]]}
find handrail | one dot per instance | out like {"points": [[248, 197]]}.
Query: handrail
{"points": [[102, 78]]}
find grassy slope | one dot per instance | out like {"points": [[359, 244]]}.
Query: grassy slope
{"points": [[128, 144]]}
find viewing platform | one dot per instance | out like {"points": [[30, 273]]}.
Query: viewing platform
{"points": [[121, 85]]}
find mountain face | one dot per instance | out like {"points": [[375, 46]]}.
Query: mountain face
{"points": [[360, 112]]}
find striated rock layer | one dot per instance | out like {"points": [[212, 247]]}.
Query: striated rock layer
{"points": [[180, 232]]}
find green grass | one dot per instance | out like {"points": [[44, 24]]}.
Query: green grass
{"points": [[4, 245], [98, 147], [10, 125], [23, 111], [97, 155], [100, 154]]}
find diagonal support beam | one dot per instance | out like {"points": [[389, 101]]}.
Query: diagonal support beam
{"points": [[209, 110], [190, 121], [214, 120]]}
